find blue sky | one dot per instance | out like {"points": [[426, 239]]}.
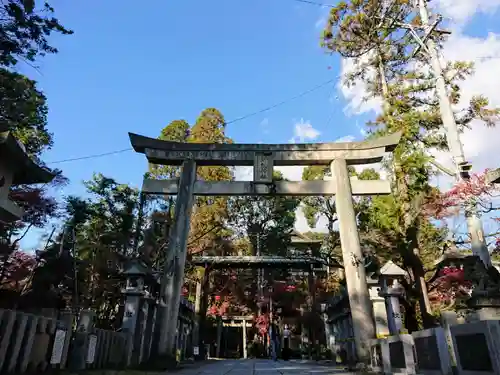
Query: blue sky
{"points": [[136, 66], [132, 67]]}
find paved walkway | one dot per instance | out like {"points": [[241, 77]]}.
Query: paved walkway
{"points": [[261, 367]]}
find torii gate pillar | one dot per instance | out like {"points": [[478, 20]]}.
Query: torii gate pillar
{"points": [[171, 283], [359, 298]]}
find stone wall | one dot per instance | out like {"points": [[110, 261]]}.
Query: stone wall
{"points": [[463, 349]]}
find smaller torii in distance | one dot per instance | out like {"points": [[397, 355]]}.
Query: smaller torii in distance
{"points": [[301, 260], [263, 157]]}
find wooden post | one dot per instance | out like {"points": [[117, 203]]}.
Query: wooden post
{"points": [[359, 298], [244, 326], [171, 285], [310, 313], [219, 336], [200, 341], [197, 318]]}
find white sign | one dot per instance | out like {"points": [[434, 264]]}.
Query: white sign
{"points": [[196, 350], [91, 349], [58, 347]]}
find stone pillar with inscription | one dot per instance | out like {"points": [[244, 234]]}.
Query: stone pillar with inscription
{"points": [[244, 338], [81, 340], [392, 294]]}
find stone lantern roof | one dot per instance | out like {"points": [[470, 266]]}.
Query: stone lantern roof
{"points": [[25, 170], [301, 240], [16, 168], [135, 267], [390, 269]]}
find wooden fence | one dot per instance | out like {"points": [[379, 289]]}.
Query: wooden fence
{"points": [[35, 344]]}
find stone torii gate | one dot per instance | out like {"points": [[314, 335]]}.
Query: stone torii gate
{"points": [[263, 157]]}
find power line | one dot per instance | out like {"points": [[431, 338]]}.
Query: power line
{"points": [[92, 156], [266, 109], [315, 3], [304, 93]]}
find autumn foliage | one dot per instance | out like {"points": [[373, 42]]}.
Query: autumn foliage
{"points": [[474, 190], [449, 287], [16, 270]]}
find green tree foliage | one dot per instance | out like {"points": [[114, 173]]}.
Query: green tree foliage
{"points": [[368, 32], [24, 32], [209, 232], [208, 227], [271, 219], [209, 213], [25, 29], [98, 238], [23, 109]]}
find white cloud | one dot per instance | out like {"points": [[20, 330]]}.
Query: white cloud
{"points": [[460, 11], [303, 132], [355, 95], [264, 125], [347, 138], [243, 173], [302, 226]]}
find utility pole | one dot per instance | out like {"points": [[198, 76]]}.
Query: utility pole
{"points": [[462, 167]]}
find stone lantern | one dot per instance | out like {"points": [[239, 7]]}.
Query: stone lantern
{"points": [[16, 168], [390, 276], [135, 272], [135, 309]]}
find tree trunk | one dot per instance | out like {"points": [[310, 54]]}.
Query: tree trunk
{"points": [[409, 225]]}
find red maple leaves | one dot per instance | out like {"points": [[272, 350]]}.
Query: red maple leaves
{"points": [[450, 285], [262, 323], [18, 267], [219, 307], [475, 190]]}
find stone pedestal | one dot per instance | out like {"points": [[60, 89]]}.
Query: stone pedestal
{"points": [[476, 347], [432, 353], [486, 307], [397, 355], [379, 307]]}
